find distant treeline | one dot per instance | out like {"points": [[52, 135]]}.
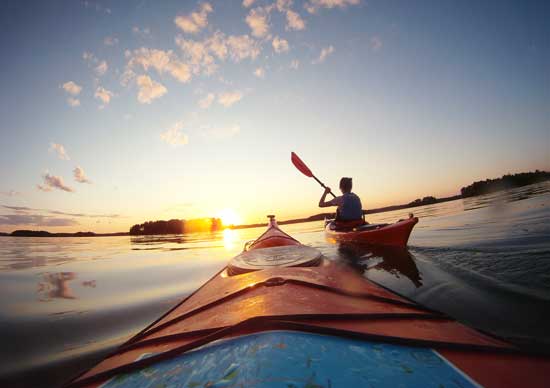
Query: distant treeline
{"points": [[506, 182], [177, 226]]}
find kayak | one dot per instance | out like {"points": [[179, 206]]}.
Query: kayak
{"points": [[396, 234], [282, 315]]}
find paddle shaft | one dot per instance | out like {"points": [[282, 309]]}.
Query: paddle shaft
{"points": [[323, 185]]}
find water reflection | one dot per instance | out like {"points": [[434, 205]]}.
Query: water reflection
{"points": [[394, 260], [56, 285], [230, 237]]}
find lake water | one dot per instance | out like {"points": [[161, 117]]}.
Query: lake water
{"points": [[67, 301]]}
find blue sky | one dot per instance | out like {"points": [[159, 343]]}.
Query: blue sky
{"points": [[118, 112]]}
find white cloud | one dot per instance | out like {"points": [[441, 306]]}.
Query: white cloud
{"points": [[110, 41], [101, 68], [73, 102], [174, 136], [280, 45], [53, 182], [283, 5], [149, 89], [142, 33], [103, 94], [376, 43], [72, 88], [259, 72], [257, 21], [242, 47], [206, 101], [196, 21], [313, 5], [161, 61], [59, 150], [248, 3], [220, 133], [294, 21], [229, 98], [89, 57], [80, 176], [325, 52], [294, 64]]}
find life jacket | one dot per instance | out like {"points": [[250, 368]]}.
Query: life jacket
{"points": [[351, 208]]}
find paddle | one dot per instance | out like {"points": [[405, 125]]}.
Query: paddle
{"points": [[301, 166]]}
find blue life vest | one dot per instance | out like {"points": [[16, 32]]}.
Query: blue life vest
{"points": [[351, 208]]}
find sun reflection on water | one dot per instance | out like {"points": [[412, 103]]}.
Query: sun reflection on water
{"points": [[230, 237]]}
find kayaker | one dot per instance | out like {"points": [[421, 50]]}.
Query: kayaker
{"points": [[349, 204]]}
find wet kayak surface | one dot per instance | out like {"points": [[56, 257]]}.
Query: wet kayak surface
{"points": [[67, 301]]}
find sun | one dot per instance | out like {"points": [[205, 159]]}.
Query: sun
{"points": [[229, 217]]}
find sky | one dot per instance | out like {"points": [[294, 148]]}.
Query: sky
{"points": [[113, 113]]}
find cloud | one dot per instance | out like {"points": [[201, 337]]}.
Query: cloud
{"points": [[59, 150], [196, 21], [80, 176], [294, 64], [110, 41], [142, 33], [10, 193], [220, 133], [73, 102], [325, 52], [259, 72], [35, 219], [103, 94], [294, 21], [23, 209], [312, 6], [248, 3], [160, 60], [53, 182], [206, 101], [376, 43], [149, 89], [257, 21], [101, 68], [229, 98], [174, 136], [242, 47], [280, 45], [72, 88]]}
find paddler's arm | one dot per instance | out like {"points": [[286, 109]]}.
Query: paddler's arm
{"points": [[333, 202]]}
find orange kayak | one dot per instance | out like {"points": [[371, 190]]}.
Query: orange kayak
{"points": [[282, 315], [396, 234]]}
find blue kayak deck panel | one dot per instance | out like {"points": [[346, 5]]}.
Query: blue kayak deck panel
{"points": [[298, 360]]}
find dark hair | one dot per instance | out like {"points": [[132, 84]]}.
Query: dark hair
{"points": [[345, 184]]}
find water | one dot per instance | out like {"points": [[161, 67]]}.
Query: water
{"points": [[67, 301]]}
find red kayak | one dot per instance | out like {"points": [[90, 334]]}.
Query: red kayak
{"points": [[282, 315], [396, 234]]}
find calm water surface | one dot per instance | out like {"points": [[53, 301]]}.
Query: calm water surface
{"points": [[67, 301]]}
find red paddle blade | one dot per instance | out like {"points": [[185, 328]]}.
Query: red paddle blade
{"points": [[300, 165]]}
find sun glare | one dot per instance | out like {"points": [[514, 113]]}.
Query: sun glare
{"points": [[229, 217]]}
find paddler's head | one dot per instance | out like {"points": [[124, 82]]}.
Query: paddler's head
{"points": [[345, 185]]}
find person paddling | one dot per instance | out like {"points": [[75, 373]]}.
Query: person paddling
{"points": [[349, 205]]}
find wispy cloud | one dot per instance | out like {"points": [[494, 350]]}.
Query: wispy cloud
{"points": [[80, 176], [229, 98], [24, 209], [103, 94], [10, 193], [376, 43], [73, 102], [160, 60], [149, 89], [280, 45], [35, 219], [101, 68], [59, 150], [141, 32], [248, 3], [53, 182], [206, 101], [312, 6], [72, 88], [325, 52], [259, 72], [294, 64], [257, 20], [294, 21], [110, 41], [196, 21], [174, 136]]}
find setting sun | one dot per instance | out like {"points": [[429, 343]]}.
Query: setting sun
{"points": [[229, 217]]}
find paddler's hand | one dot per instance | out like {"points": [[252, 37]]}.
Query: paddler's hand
{"points": [[327, 190]]}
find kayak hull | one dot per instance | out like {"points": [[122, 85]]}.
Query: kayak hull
{"points": [[396, 234]]}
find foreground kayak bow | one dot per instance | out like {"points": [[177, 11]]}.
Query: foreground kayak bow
{"points": [[282, 315]]}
